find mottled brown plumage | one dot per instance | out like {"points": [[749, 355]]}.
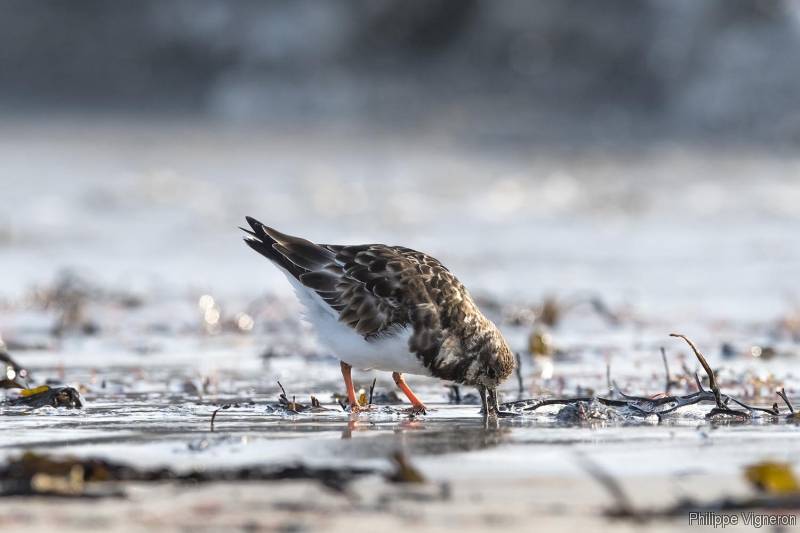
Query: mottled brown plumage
{"points": [[380, 291]]}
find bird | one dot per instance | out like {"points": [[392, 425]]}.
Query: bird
{"points": [[390, 308]]}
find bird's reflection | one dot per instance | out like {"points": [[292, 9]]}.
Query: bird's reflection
{"points": [[435, 437]]}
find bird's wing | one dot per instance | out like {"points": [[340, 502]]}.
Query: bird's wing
{"points": [[394, 287], [375, 289]]}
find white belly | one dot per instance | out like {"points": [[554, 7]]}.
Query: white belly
{"points": [[390, 354]]}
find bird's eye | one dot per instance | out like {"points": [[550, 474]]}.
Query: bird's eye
{"points": [[491, 372]]}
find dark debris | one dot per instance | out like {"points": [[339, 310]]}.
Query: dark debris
{"points": [[50, 397], [42, 475]]}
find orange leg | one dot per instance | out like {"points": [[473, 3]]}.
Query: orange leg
{"points": [[416, 405], [348, 383]]}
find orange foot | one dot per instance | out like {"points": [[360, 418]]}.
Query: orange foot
{"points": [[418, 409], [356, 408]]}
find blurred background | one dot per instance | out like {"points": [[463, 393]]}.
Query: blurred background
{"points": [[645, 151], [598, 174]]}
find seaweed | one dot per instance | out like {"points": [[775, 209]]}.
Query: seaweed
{"points": [[46, 396], [293, 407], [42, 475], [404, 472], [660, 404]]}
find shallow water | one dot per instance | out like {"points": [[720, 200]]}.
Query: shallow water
{"points": [[159, 415], [146, 218]]}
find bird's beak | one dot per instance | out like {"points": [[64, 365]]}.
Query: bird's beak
{"points": [[489, 405], [493, 406]]}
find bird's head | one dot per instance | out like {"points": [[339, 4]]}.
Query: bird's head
{"points": [[495, 364]]}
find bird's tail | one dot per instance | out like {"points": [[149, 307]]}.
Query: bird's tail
{"points": [[293, 254]]}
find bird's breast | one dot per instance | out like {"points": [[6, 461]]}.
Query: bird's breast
{"points": [[388, 353]]}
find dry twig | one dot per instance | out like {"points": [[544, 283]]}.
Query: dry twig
{"points": [[214, 414], [782, 394], [372, 390], [712, 381], [666, 404]]}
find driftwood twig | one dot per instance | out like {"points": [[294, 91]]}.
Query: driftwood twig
{"points": [[712, 380], [214, 414]]}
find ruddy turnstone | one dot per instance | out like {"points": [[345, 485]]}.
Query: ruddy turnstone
{"points": [[390, 308]]}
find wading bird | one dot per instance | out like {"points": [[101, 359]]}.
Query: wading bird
{"points": [[390, 308]]}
